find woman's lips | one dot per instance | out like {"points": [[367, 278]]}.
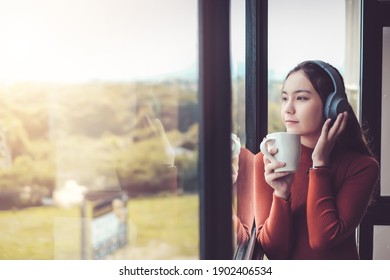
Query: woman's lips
{"points": [[290, 122]]}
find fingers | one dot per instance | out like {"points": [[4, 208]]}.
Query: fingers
{"points": [[326, 127], [270, 167], [331, 131], [269, 170], [336, 125], [272, 151], [276, 175], [235, 137], [339, 125], [344, 123]]}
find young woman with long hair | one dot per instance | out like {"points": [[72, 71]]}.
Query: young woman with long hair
{"points": [[314, 212]]}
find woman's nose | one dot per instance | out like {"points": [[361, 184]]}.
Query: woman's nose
{"points": [[289, 107]]}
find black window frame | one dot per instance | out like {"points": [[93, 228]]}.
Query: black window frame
{"points": [[214, 130], [215, 118], [374, 16]]}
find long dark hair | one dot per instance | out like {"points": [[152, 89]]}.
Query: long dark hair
{"points": [[353, 137]]}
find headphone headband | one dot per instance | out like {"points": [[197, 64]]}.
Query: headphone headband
{"points": [[338, 85]]}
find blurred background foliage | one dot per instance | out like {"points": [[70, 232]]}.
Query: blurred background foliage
{"points": [[105, 136], [54, 133], [102, 135]]}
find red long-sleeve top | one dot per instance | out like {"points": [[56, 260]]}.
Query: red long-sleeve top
{"points": [[325, 207], [245, 201]]}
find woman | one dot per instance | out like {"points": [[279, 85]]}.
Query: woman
{"points": [[243, 219], [313, 214]]}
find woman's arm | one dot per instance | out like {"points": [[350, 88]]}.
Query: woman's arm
{"points": [[333, 217], [245, 213], [273, 216]]}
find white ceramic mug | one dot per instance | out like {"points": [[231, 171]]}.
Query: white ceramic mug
{"points": [[236, 145], [289, 149]]}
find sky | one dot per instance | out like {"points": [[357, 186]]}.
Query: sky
{"points": [[121, 40], [305, 29]]}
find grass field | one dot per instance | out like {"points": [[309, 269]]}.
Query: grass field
{"points": [[164, 227]]}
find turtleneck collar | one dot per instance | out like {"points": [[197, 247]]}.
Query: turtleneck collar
{"points": [[306, 153]]}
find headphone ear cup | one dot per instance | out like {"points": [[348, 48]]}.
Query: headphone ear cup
{"points": [[337, 101], [338, 104]]}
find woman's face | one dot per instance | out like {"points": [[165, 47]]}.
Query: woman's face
{"points": [[302, 108]]}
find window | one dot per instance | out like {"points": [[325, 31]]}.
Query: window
{"points": [[381, 232], [99, 113], [385, 179], [237, 40], [303, 30]]}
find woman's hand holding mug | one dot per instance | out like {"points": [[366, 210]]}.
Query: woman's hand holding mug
{"points": [[281, 159]]}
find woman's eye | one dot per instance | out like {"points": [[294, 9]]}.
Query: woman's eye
{"points": [[302, 98], [284, 98]]}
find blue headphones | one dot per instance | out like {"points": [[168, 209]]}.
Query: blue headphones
{"points": [[336, 102]]}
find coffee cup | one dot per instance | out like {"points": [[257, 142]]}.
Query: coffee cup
{"points": [[288, 147], [236, 145]]}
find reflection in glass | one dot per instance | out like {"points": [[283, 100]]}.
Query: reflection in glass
{"points": [[243, 187], [241, 157], [98, 130], [385, 151], [381, 243], [352, 53]]}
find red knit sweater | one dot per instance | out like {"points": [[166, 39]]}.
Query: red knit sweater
{"points": [[326, 206], [245, 201]]}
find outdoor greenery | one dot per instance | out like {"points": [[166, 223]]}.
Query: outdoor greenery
{"points": [[105, 136], [93, 133], [163, 227]]}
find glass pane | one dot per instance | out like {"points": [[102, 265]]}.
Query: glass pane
{"points": [[295, 30], [385, 151], [243, 214], [237, 41], [99, 129], [381, 243]]}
